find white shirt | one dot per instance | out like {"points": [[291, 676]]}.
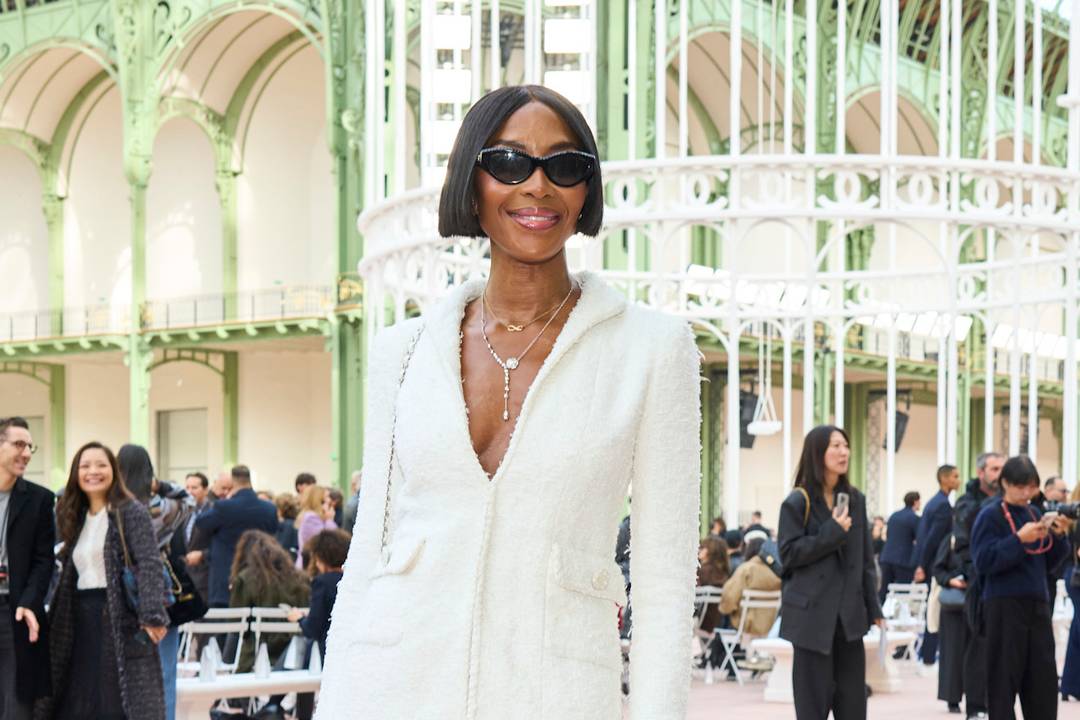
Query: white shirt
{"points": [[89, 553]]}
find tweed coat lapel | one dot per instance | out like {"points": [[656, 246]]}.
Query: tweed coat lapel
{"points": [[442, 334]]}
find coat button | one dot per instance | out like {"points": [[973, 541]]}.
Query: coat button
{"points": [[600, 580]]}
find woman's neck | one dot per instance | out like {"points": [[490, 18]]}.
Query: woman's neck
{"points": [[97, 503], [830, 482], [517, 290]]}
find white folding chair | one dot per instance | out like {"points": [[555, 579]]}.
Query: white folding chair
{"points": [[217, 621], [704, 596], [271, 620], [731, 639], [905, 610]]}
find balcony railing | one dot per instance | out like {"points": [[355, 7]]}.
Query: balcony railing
{"points": [[10, 6], [283, 303], [294, 302]]}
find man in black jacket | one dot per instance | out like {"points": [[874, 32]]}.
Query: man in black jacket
{"points": [[27, 535], [983, 488]]}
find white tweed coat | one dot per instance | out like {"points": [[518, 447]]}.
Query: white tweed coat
{"points": [[498, 597]]}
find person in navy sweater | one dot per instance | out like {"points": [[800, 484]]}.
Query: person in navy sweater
{"points": [[935, 524], [1014, 551], [896, 559]]}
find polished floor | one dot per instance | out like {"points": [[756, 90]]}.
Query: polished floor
{"points": [[916, 701]]}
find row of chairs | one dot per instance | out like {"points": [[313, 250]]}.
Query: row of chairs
{"points": [[730, 639], [239, 622]]}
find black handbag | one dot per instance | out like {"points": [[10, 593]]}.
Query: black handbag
{"points": [[189, 605], [952, 599]]}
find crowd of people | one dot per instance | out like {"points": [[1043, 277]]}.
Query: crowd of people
{"points": [[97, 578], [991, 554]]}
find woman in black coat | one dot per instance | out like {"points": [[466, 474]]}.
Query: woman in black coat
{"points": [[829, 588], [105, 665], [950, 574]]}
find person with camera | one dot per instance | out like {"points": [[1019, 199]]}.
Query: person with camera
{"points": [[1015, 547], [1070, 674], [829, 595]]}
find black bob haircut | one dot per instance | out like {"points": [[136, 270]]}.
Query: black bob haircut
{"points": [[479, 126]]}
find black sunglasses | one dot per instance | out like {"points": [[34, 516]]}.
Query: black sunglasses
{"points": [[512, 167]]}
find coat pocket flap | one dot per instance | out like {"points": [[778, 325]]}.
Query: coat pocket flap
{"points": [[795, 599], [588, 574], [399, 558]]}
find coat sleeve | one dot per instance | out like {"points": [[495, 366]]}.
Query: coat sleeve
{"points": [[383, 372], [798, 548], [938, 529], [314, 624], [41, 565], [733, 589], [666, 476], [142, 544]]}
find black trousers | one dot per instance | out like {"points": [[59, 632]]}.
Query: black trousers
{"points": [[1020, 655], [975, 672], [893, 574], [836, 681], [11, 707], [952, 633], [956, 680]]}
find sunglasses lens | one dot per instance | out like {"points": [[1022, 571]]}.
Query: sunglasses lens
{"points": [[569, 169], [507, 166]]}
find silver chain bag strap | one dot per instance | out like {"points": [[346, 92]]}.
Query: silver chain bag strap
{"points": [[406, 359]]}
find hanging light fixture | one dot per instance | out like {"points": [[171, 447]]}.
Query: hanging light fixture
{"points": [[765, 421]]}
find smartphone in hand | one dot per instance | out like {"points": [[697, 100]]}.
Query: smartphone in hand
{"points": [[843, 500], [1049, 518]]}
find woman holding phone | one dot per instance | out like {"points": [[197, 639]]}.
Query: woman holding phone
{"points": [[829, 595], [1015, 548]]}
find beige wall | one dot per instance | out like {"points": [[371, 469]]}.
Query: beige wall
{"points": [[285, 193], [24, 238], [183, 215], [285, 416], [97, 238]]}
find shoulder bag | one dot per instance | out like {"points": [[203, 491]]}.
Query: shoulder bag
{"points": [[130, 581]]}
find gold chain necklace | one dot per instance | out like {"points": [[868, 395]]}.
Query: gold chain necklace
{"points": [[511, 363], [517, 328]]}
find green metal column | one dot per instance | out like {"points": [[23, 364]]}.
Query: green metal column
{"points": [[57, 460], [139, 354], [708, 472], [348, 352], [823, 386], [855, 402], [230, 266], [231, 408], [964, 461], [53, 207], [345, 88]]}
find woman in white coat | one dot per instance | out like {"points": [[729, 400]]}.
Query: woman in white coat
{"points": [[504, 429]]}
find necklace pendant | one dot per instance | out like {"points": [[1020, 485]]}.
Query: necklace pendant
{"points": [[506, 415], [511, 363], [515, 328]]}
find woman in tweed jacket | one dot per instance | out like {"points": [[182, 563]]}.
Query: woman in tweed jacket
{"points": [[105, 664]]}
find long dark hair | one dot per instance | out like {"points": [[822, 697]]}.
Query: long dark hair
{"points": [[266, 562], [718, 555], [137, 471], [73, 504], [811, 472]]}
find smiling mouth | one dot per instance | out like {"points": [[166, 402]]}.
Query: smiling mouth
{"points": [[536, 219]]}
